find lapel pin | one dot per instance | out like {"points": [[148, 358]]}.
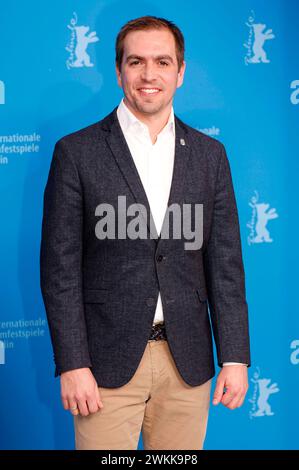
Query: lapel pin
{"points": [[182, 142]]}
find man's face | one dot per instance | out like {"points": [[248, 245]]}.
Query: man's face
{"points": [[149, 73]]}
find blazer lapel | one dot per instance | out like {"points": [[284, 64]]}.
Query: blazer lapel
{"points": [[121, 152], [181, 157]]}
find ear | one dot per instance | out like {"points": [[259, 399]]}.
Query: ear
{"points": [[118, 75], [181, 74]]}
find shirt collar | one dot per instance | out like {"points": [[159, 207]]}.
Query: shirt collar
{"points": [[129, 122]]}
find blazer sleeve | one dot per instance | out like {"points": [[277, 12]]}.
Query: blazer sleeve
{"points": [[224, 272], [61, 263]]}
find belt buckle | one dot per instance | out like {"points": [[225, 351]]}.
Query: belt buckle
{"points": [[158, 332]]}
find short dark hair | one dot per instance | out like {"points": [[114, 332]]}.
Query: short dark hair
{"points": [[146, 23]]}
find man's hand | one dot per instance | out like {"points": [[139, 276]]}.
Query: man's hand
{"points": [[79, 392], [234, 379]]}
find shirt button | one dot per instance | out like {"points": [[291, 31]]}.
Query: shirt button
{"points": [[160, 258]]}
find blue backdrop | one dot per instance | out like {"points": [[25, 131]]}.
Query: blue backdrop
{"points": [[241, 87]]}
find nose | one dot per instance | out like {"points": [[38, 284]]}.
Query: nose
{"points": [[148, 72]]}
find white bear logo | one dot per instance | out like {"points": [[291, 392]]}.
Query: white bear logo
{"points": [[82, 58], [259, 39], [78, 44], [264, 392], [262, 234], [259, 219]]}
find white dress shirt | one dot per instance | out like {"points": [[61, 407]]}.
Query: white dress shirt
{"points": [[154, 163]]}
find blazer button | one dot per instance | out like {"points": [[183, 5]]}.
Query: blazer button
{"points": [[160, 258], [150, 302]]}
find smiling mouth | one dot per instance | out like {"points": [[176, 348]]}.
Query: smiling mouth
{"points": [[149, 91]]}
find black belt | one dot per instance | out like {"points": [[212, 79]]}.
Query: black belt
{"points": [[158, 332]]}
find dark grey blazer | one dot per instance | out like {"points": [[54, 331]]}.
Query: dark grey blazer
{"points": [[100, 295]]}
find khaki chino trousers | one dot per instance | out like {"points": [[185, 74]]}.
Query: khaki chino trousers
{"points": [[170, 414]]}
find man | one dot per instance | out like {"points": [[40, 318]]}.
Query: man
{"points": [[129, 316]]}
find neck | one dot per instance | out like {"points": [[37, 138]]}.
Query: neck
{"points": [[154, 122]]}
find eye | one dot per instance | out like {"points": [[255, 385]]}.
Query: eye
{"points": [[135, 62], [162, 62]]}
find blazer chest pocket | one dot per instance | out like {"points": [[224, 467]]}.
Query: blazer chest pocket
{"points": [[202, 294], [95, 296]]}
